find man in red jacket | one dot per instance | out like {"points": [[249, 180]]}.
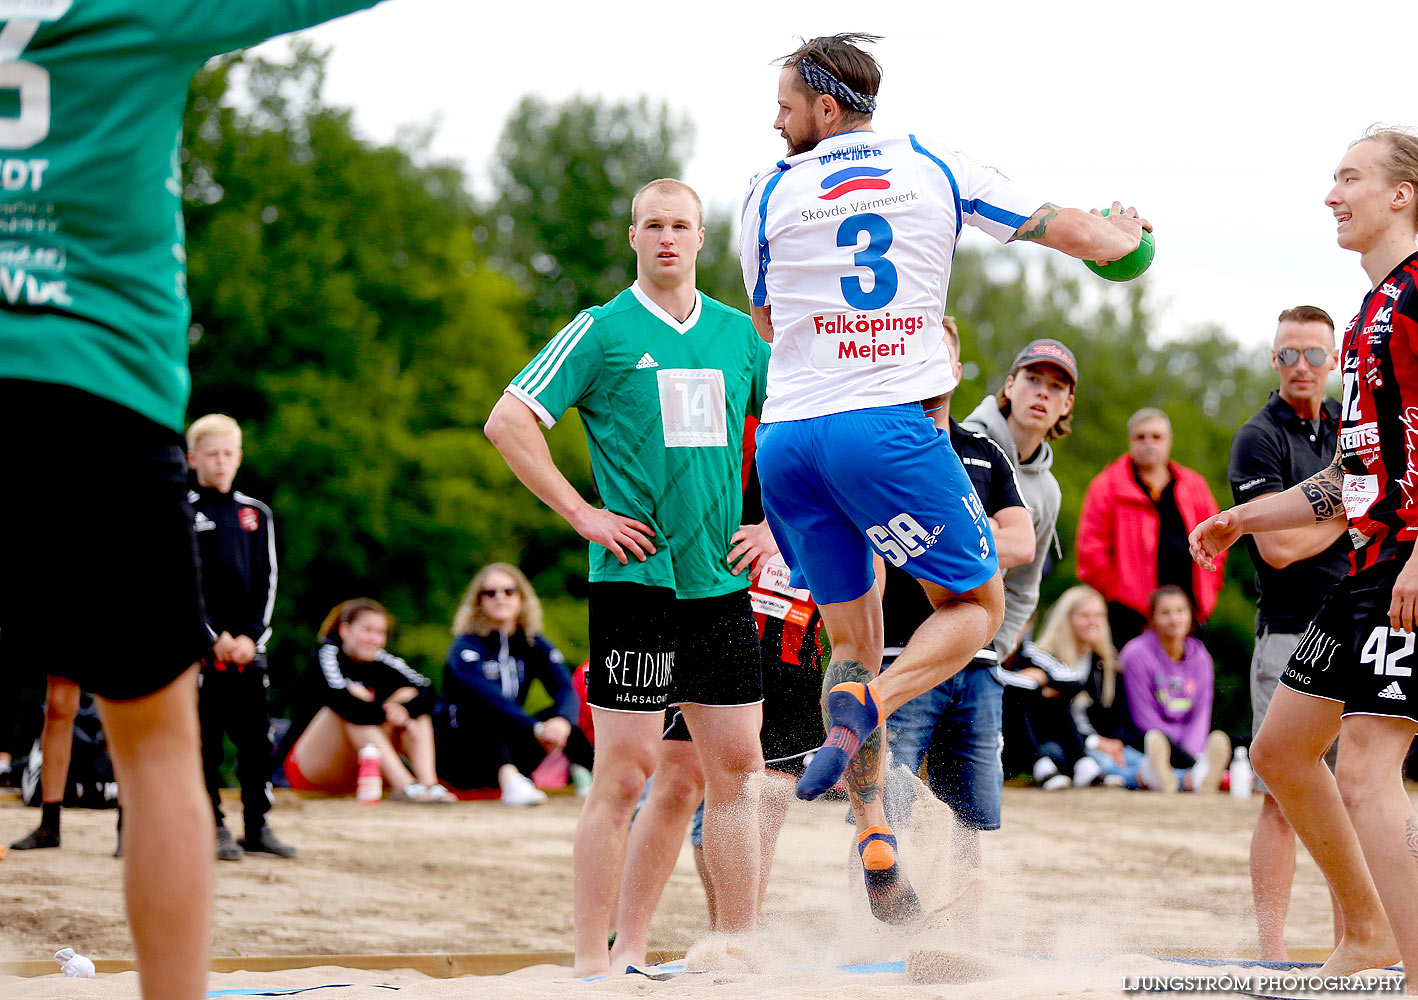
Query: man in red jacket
{"points": [[1132, 532]]}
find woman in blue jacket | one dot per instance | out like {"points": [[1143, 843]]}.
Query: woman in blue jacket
{"points": [[486, 736]]}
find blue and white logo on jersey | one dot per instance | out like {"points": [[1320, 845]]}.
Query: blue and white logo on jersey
{"points": [[854, 179]]}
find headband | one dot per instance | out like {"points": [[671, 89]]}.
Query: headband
{"points": [[822, 81]]}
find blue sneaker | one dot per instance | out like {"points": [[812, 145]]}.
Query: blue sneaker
{"points": [[854, 715]]}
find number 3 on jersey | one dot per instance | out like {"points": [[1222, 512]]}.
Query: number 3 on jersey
{"points": [[872, 257]]}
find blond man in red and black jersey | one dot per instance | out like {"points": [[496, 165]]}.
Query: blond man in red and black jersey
{"points": [[1352, 675]]}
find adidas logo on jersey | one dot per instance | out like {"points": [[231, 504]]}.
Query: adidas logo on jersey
{"points": [[1393, 692], [646, 362]]}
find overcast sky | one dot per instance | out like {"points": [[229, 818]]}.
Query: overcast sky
{"points": [[1221, 122]]}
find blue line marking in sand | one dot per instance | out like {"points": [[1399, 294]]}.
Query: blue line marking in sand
{"points": [[288, 990]]}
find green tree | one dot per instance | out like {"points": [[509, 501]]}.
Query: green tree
{"points": [[343, 312]]}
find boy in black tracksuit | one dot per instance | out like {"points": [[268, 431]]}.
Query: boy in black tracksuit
{"points": [[236, 543]]}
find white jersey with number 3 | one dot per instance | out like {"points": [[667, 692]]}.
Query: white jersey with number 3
{"points": [[850, 246]]}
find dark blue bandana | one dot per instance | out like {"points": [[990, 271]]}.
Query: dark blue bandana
{"points": [[820, 80]]}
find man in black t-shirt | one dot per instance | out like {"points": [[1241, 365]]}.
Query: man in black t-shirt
{"points": [[1292, 437]]}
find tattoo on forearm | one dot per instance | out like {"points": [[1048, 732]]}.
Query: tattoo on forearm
{"points": [[1038, 223], [863, 782], [1324, 491], [1410, 836]]}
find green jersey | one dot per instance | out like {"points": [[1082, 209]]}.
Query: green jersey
{"points": [[663, 404], [93, 282]]}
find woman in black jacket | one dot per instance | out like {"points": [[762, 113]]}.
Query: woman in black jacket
{"points": [[486, 735], [367, 696]]}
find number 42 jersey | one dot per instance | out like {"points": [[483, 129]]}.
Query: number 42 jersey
{"points": [[850, 247]]}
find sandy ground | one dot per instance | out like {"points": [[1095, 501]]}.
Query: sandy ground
{"points": [[1095, 872]]}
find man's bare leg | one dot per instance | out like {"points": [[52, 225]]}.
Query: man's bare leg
{"points": [[772, 813], [942, 645], [1288, 754], [1272, 875], [731, 758], [654, 846], [56, 740], [167, 841], [1370, 778], [56, 743], [627, 745]]}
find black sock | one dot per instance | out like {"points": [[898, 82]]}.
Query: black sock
{"points": [[49, 816]]}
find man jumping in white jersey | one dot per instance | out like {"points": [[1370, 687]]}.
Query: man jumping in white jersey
{"points": [[846, 250]]}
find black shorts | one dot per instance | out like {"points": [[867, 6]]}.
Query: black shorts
{"points": [[792, 716], [1350, 655], [99, 543], [651, 650]]}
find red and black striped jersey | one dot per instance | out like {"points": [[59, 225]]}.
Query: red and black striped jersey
{"points": [[1378, 435]]}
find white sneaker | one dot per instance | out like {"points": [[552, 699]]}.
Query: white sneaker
{"points": [[1044, 769], [580, 780], [1086, 771], [1057, 782], [520, 791]]}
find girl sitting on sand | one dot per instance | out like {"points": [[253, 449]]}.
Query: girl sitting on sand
{"points": [[1054, 678], [486, 735], [1170, 684], [368, 696]]}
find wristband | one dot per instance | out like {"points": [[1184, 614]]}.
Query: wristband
{"points": [[538, 728]]}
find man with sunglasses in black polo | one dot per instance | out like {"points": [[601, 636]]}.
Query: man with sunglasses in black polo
{"points": [[1290, 439]]}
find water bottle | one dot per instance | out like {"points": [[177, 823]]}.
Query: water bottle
{"points": [[74, 966], [369, 786], [1242, 778]]}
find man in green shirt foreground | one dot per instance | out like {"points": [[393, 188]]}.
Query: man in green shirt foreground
{"points": [[93, 391], [663, 378]]}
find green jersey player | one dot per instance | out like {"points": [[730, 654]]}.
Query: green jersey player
{"points": [[93, 389], [663, 378]]}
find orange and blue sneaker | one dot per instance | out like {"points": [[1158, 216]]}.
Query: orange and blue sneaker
{"points": [[854, 714], [892, 899]]}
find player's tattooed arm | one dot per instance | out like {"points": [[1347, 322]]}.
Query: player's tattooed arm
{"points": [[864, 771], [1037, 225], [1324, 491]]}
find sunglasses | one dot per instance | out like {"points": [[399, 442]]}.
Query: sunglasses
{"points": [[494, 591], [1287, 356]]}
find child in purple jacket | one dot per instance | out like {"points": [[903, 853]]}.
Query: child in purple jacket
{"points": [[1170, 683]]}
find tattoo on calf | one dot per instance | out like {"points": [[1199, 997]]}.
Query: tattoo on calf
{"points": [[862, 772], [1410, 836], [1038, 223]]}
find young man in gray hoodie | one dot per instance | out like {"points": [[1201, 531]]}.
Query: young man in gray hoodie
{"points": [[1033, 408]]}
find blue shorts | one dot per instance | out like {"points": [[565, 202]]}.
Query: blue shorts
{"points": [[837, 486], [955, 728]]}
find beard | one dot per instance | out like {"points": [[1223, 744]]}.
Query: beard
{"points": [[803, 143]]}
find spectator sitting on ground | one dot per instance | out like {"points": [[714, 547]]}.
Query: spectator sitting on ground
{"points": [[1100, 710], [1049, 674], [1170, 684], [368, 697], [485, 734]]}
